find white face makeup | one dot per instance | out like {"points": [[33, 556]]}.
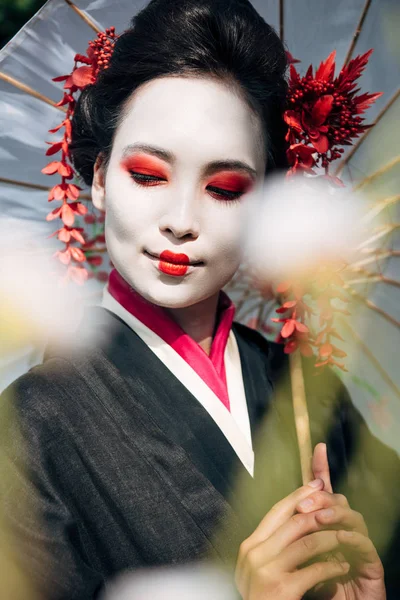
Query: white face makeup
{"points": [[164, 191]]}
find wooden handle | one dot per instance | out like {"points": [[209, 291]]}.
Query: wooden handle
{"points": [[301, 417]]}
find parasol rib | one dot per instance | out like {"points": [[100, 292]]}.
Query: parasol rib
{"points": [[372, 306], [375, 277], [377, 173], [83, 16], [380, 233], [35, 186], [379, 207], [357, 31], [385, 376], [28, 90], [361, 139], [377, 255], [281, 19], [301, 417]]}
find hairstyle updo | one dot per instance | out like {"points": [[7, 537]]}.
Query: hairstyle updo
{"points": [[226, 39]]}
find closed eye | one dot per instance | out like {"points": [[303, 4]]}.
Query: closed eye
{"points": [[144, 179], [215, 192], [224, 194]]}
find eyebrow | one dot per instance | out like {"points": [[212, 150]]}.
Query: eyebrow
{"points": [[209, 169]]}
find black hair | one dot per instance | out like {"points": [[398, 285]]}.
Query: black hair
{"points": [[226, 39]]}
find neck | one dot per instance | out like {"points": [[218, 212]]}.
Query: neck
{"points": [[198, 321]]}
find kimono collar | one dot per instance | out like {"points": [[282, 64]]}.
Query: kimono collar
{"points": [[211, 368]]}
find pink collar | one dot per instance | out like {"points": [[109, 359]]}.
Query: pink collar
{"points": [[210, 368]]}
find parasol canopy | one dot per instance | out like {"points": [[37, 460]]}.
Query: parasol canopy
{"points": [[45, 48]]}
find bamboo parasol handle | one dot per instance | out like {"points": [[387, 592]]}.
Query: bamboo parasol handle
{"points": [[301, 417]]}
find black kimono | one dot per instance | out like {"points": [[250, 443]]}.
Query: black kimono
{"points": [[109, 463]]}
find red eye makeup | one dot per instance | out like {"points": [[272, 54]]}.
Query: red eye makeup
{"points": [[231, 182], [144, 165]]}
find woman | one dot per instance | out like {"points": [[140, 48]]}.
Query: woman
{"points": [[131, 449]]}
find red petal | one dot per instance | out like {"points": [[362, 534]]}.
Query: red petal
{"points": [[78, 236], [77, 254], [73, 191], [51, 168], [325, 350], [283, 287], [288, 328], [326, 69], [54, 214], [55, 129], [64, 235], [321, 144], [56, 147], [290, 58], [69, 84], [67, 215], [60, 78], [64, 257], [65, 170], [322, 109], [301, 327], [68, 128], [292, 118], [290, 347], [80, 208], [321, 363], [83, 76], [365, 100], [78, 274], [83, 59], [338, 352]]}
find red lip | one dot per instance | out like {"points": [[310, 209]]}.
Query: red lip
{"points": [[175, 259], [173, 264]]}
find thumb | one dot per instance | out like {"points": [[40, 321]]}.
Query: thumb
{"points": [[320, 466]]}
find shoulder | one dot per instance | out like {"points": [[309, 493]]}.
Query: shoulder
{"points": [[37, 399]]}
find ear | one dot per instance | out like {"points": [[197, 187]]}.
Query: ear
{"points": [[98, 184]]}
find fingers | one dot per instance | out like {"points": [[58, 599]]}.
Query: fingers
{"points": [[317, 573], [306, 548], [321, 499], [280, 513], [320, 466], [333, 510], [342, 517], [274, 519], [364, 548]]}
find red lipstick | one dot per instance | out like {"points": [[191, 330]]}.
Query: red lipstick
{"points": [[173, 264]]}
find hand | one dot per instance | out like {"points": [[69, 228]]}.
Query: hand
{"points": [[269, 561], [365, 580]]}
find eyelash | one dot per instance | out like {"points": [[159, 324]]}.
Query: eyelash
{"points": [[149, 180]]}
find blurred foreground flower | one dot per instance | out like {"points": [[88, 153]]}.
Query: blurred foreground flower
{"points": [[302, 235]]}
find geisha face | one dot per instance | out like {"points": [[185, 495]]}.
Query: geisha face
{"points": [[187, 159]]}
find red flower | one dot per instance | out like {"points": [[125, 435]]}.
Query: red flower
{"points": [[323, 111], [301, 158]]}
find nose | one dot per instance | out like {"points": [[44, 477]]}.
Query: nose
{"points": [[180, 217]]}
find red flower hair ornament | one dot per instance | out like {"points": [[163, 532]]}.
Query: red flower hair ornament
{"points": [[323, 114]]}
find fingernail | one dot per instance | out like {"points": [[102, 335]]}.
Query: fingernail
{"points": [[326, 513], [345, 566], [306, 503], [316, 483]]}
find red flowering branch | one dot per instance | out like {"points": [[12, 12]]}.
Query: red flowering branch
{"points": [[84, 73], [323, 115]]}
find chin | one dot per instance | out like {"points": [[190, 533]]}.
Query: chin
{"points": [[172, 293]]}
